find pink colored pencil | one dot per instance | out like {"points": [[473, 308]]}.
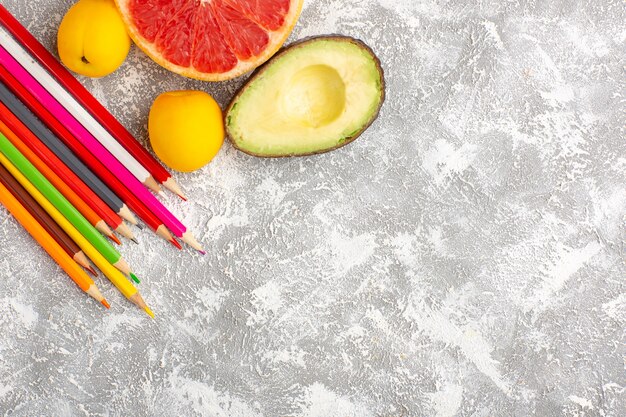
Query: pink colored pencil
{"points": [[96, 148]]}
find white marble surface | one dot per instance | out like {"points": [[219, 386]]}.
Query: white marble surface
{"points": [[464, 257]]}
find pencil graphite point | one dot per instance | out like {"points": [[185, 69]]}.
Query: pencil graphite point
{"points": [[140, 226], [92, 271], [175, 243], [134, 278], [202, 252], [147, 310], [114, 239], [134, 240], [105, 303]]}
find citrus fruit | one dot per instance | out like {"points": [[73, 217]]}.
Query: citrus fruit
{"points": [[210, 40], [186, 129], [92, 38]]}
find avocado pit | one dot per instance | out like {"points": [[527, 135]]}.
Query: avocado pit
{"points": [[314, 96]]}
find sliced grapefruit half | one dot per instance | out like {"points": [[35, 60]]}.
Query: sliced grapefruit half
{"points": [[210, 40]]}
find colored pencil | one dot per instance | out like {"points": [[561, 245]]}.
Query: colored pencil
{"points": [[26, 142], [81, 94], [58, 148], [44, 219], [53, 249], [94, 164], [100, 134], [80, 205], [83, 135], [116, 278], [12, 159]]}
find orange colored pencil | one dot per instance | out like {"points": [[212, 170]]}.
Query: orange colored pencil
{"points": [[80, 205], [46, 241]]}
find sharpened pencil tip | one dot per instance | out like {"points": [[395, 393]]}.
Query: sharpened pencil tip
{"points": [[92, 271], [171, 185], [115, 239], [202, 252], [105, 303], [134, 278], [152, 184], [140, 226], [134, 240], [148, 311], [175, 243]]}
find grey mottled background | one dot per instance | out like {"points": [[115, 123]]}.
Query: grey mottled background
{"points": [[465, 257]]}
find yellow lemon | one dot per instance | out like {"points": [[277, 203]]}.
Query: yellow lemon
{"points": [[186, 129], [92, 38]]}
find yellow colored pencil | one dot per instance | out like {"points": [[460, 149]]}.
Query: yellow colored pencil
{"points": [[113, 274], [46, 241]]}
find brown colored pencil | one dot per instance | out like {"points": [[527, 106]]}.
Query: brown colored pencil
{"points": [[44, 219]]}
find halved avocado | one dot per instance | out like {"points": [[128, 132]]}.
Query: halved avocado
{"points": [[314, 96]]}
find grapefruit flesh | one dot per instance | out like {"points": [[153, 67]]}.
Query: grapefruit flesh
{"points": [[210, 40]]}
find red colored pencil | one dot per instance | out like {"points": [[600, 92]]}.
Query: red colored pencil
{"points": [[59, 168], [88, 159], [88, 101]]}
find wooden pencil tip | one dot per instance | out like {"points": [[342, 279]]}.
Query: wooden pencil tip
{"points": [[189, 239], [124, 230], [105, 303], [147, 310], [114, 239], [173, 186], [134, 240], [140, 226], [202, 252], [123, 266], [92, 271], [127, 215], [152, 184], [175, 243]]}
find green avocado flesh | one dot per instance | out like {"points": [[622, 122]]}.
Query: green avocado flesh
{"points": [[312, 97]]}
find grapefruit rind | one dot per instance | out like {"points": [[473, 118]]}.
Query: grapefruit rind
{"points": [[276, 40]]}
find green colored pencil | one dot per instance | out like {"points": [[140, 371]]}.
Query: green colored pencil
{"points": [[65, 207]]}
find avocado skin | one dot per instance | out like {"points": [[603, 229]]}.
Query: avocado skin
{"points": [[298, 44]]}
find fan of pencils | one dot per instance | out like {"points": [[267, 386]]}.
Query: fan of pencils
{"points": [[70, 173]]}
